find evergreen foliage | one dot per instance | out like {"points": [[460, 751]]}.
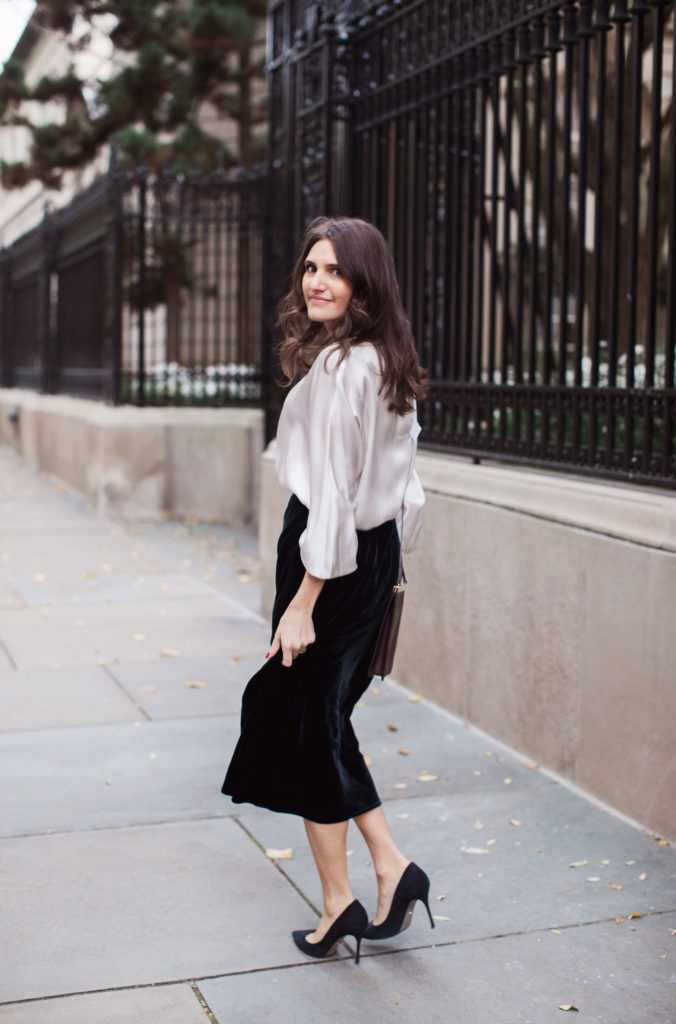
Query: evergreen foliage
{"points": [[178, 60]]}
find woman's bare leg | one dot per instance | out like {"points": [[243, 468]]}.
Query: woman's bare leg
{"points": [[388, 861], [329, 849]]}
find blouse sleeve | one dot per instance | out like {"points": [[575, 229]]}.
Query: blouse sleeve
{"points": [[328, 546]]}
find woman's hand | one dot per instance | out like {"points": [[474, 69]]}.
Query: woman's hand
{"points": [[294, 635], [295, 631]]}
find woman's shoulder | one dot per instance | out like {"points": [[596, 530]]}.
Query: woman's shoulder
{"points": [[354, 361]]}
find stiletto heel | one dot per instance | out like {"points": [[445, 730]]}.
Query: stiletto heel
{"points": [[352, 921], [413, 885]]}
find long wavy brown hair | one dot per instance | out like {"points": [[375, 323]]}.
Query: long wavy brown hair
{"points": [[374, 313]]}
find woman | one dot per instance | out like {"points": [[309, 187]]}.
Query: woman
{"points": [[345, 449]]}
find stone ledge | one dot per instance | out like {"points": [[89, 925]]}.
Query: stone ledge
{"points": [[638, 514]]}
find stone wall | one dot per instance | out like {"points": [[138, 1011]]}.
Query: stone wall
{"points": [[142, 463]]}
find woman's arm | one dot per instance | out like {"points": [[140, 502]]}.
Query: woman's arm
{"points": [[295, 631]]}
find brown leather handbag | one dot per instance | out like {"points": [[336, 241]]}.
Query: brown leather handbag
{"points": [[382, 658]]}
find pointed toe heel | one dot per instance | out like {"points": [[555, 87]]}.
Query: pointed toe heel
{"points": [[353, 921], [413, 885]]}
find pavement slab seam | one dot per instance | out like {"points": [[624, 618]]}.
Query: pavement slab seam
{"points": [[203, 1003], [130, 697], [5, 650], [276, 864]]}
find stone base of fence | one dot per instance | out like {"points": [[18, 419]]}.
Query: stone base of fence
{"points": [[540, 609], [142, 463]]}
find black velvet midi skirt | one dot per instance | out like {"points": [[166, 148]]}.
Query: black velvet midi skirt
{"points": [[297, 752]]}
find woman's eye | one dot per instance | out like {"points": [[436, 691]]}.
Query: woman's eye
{"points": [[337, 271], [310, 268]]}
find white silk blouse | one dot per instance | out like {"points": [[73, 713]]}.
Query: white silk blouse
{"points": [[347, 458]]}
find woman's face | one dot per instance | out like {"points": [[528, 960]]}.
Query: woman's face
{"points": [[325, 290]]}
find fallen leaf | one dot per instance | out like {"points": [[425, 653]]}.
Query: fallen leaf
{"points": [[488, 753], [663, 956], [169, 652], [440, 917], [427, 777], [404, 815], [663, 842], [194, 685], [578, 864], [474, 849], [491, 842], [359, 704], [415, 698], [635, 916], [148, 689], [532, 765], [478, 825], [555, 931], [513, 821], [442, 897], [613, 885], [374, 689], [152, 756], [594, 879], [478, 771], [642, 877], [605, 863], [368, 761], [404, 752], [138, 636], [673, 931], [619, 920], [40, 577], [393, 728], [400, 785], [568, 1006], [629, 863], [507, 782], [279, 854]]}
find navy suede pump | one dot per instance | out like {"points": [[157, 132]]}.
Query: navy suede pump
{"points": [[352, 921], [413, 885]]}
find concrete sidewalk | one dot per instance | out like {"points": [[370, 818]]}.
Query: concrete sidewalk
{"points": [[133, 891]]}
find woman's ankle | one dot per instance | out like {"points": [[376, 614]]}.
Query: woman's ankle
{"points": [[391, 868], [336, 904]]}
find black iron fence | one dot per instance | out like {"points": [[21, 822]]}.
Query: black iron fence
{"points": [[519, 156], [521, 159], [145, 289]]}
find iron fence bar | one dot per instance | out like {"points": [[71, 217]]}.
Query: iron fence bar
{"points": [[141, 371], [584, 33], [670, 327], [639, 9], [654, 195]]}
